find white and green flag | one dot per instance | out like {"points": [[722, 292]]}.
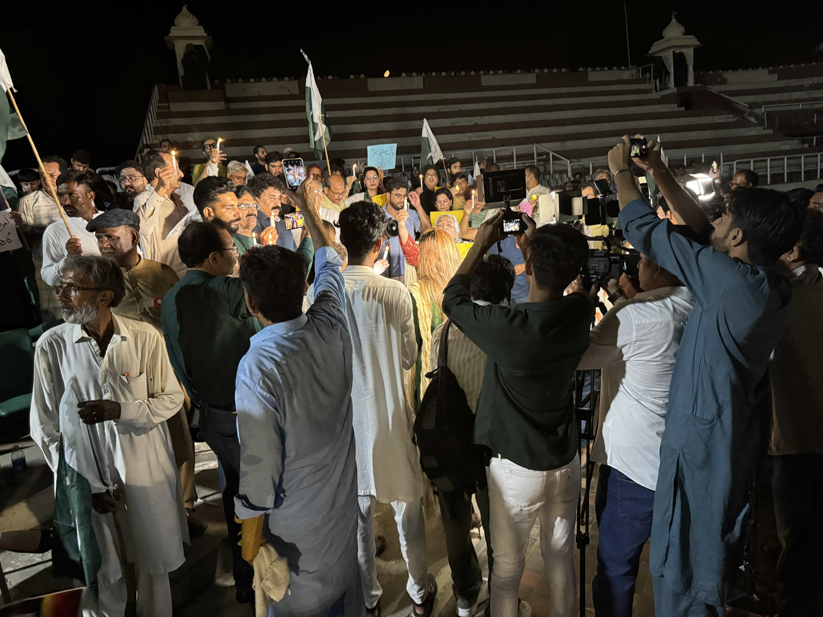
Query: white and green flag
{"points": [[10, 125], [316, 112], [430, 152]]}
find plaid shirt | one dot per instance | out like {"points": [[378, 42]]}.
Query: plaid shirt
{"points": [[38, 211]]}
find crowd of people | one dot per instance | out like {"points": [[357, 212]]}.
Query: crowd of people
{"points": [[296, 333]]}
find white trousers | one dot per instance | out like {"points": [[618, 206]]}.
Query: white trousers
{"points": [[411, 527], [153, 597], [517, 498]]}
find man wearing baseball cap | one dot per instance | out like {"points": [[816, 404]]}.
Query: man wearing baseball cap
{"points": [[147, 281]]}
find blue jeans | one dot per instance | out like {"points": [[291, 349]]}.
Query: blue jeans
{"points": [[624, 519]]}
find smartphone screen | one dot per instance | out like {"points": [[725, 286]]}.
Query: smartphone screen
{"points": [[294, 172], [294, 220]]}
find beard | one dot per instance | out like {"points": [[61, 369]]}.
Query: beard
{"points": [[232, 227], [81, 315], [720, 244]]}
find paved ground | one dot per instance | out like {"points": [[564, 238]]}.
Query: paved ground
{"points": [[203, 586]]}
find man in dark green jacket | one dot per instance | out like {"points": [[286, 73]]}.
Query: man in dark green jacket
{"points": [[525, 413], [207, 328]]}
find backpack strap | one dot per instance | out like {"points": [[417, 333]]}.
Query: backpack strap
{"points": [[444, 345]]}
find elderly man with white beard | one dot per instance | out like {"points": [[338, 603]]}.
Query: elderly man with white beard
{"points": [[103, 390]]}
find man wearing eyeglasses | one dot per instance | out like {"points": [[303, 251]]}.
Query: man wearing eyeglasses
{"points": [[131, 179], [207, 327], [103, 388]]}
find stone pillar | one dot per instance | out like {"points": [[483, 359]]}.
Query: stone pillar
{"points": [[186, 31]]}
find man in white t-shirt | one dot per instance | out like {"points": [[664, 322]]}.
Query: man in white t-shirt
{"points": [[636, 345]]}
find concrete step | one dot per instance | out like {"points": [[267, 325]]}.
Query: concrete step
{"points": [[391, 132], [491, 95]]}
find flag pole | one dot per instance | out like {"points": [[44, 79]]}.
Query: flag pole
{"points": [[325, 149], [40, 165]]}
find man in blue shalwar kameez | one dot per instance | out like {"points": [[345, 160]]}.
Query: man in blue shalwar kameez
{"points": [[294, 418], [716, 427]]}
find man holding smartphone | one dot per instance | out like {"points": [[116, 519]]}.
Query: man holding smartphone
{"points": [[525, 414], [715, 436]]}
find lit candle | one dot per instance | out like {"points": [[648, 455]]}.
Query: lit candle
{"points": [[272, 219], [354, 169], [219, 139], [254, 238], [174, 159], [473, 194], [421, 180], [406, 203]]}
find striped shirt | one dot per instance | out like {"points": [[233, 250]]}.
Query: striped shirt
{"points": [[464, 359], [796, 370], [38, 210]]}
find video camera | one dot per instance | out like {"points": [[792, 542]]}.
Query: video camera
{"points": [[605, 263]]}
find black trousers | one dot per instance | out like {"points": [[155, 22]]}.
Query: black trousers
{"points": [[456, 514], [797, 484], [218, 428]]}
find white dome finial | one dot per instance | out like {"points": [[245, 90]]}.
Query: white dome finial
{"points": [[186, 19], [674, 29]]}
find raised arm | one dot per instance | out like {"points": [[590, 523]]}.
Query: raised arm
{"points": [[686, 210]]}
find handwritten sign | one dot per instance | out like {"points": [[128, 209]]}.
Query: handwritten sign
{"points": [[9, 240], [383, 156]]}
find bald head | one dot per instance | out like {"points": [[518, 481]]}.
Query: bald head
{"points": [[335, 189]]}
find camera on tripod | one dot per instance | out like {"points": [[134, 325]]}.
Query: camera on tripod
{"points": [[605, 263]]}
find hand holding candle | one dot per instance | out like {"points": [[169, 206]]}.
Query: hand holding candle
{"points": [[219, 139], [174, 159]]}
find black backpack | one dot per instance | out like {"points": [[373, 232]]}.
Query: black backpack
{"points": [[443, 430]]}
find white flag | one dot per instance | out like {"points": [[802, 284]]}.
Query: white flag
{"points": [[249, 170], [477, 172], [5, 78], [434, 153]]}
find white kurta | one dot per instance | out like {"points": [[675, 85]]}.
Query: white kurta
{"points": [[54, 246], [135, 450], [379, 313], [162, 222]]}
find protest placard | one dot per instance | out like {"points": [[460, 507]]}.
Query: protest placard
{"points": [[458, 214], [9, 240], [383, 156]]}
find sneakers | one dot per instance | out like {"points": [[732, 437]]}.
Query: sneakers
{"points": [[524, 609], [427, 607], [481, 597]]}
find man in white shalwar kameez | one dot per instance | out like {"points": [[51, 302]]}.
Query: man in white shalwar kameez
{"points": [[103, 390], [379, 313]]}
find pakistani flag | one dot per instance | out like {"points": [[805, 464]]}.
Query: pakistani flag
{"points": [[10, 126], [430, 152], [316, 113]]}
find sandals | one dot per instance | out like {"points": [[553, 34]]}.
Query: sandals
{"points": [[428, 603]]}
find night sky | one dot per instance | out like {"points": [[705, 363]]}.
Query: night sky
{"points": [[84, 70]]}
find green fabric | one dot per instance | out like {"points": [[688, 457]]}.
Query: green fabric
{"points": [[207, 328], [11, 197], [306, 251], [72, 523], [243, 243], [15, 405], [16, 363], [525, 411], [318, 145], [10, 125]]}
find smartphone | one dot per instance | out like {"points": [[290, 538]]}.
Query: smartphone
{"points": [[637, 147], [294, 171], [294, 220], [513, 222]]}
